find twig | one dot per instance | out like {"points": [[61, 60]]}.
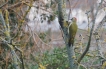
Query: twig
{"points": [[87, 13], [100, 24], [70, 12], [21, 57], [16, 5], [3, 5], [11, 47]]}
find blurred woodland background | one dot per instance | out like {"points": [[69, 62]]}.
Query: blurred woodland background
{"points": [[31, 37]]}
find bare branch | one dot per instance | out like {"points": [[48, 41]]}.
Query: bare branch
{"points": [[91, 32]]}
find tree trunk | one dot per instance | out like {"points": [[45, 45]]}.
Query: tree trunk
{"points": [[62, 20]]}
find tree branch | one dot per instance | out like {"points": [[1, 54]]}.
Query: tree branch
{"points": [[91, 32]]}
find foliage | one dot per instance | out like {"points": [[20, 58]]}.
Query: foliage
{"points": [[57, 59]]}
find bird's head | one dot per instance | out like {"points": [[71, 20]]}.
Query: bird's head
{"points": [[74, 19]]}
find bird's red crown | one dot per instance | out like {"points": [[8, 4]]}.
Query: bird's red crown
{"points": [[74, 19]]}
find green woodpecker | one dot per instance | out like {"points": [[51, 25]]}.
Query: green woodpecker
{"points": [[72, 29]]}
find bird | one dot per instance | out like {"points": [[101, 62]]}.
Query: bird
{"points": [[72, 29]]}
